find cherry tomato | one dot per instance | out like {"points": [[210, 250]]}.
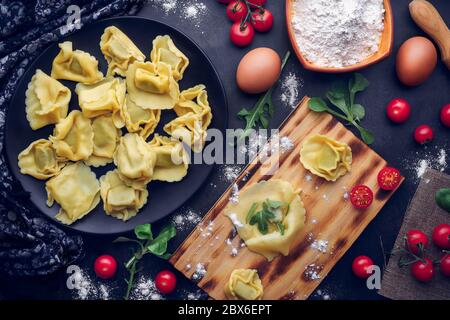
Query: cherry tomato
{"points": [[262, 20], [224, 1], [423, 270], [105, 266], [256, 3], [360, 266], [389, 178], [236, 11], [423, 134], [243, 35], [398, 110], [415, 239], [445, 115], [165, 281], [444, 265], [441, 236], [361, 196]]}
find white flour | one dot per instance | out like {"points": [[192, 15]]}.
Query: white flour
{"points": [[192, 11], [338, 33], [290, 90], [432, 158], [186, 220]]}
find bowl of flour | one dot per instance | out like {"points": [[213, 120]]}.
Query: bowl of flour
{"points": [[340, 35]]}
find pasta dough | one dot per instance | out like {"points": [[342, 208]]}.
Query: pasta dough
{"points": [[135, 161], [75, 65], [73, 137], [119, 51], [325, 157], [274, 242], [139, 120], [164, 50], [76, 190], [152, 86], [46, 101], [119, 200], [244, 284], [106, 137], [39, 160], [171, 159], [104, 97]]}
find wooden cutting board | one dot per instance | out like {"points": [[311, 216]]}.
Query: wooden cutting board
{"points": [[329, 217]]}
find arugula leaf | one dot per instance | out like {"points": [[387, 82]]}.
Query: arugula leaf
{"points": [[366, 135], [159, 245], [263, 218], [281, 227], [318, 104], [143, 232], [358, 111], [251, 212], [357, 84], [276, 204]]}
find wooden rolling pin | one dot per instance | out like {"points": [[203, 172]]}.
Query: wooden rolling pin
{"points": [[429, 20]]}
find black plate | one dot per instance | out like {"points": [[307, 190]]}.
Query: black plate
{"points": [[164, 198]]}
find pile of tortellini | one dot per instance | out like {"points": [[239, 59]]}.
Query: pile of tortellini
{"points": [[118, 114]]}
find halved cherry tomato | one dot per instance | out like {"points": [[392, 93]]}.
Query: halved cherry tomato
{"points": [[105, 266], [165, 281], [416, 239], [360, 266], [398, 110], [256, 3], [441, 236], [423, 134], [423, 270], [389, 178], [361, 196], [242, 35], [236, 11], [445, 115], [262, 20], [444, 264]]}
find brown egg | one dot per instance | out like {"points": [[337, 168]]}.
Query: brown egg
{"points": [[416, 61], [258, 70]]}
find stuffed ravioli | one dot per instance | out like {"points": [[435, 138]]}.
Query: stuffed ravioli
{"points": [[244, 284], [164, 50], [139, 120]]}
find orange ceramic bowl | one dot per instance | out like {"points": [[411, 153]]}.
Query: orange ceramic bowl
{"points": [[387, 40]]}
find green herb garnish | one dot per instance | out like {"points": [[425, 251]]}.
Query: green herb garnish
{"points": [[264, 109], [342, 97], [146, 244], [268, 215]]}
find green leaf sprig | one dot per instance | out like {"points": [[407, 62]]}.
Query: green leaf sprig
{"points": [[268, 215], [342, 97], [146, 244], [263, 110]]}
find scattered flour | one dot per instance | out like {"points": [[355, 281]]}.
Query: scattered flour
{"points": [[192, 11], [88, 289], [234, 197], [145, 289], [186, 220], [436, 159], [312, 272], [200, 272], [235, 220], [320, 245], [290, 90], [230, 172]]}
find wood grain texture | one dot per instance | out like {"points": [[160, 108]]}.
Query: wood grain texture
{"points": [[328, 216]]}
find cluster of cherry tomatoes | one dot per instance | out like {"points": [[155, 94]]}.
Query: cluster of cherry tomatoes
{"points": [[105, 267], [247, 16], [398, 111], [361, 196]]}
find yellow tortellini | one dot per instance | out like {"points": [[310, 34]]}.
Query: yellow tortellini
{"points": [[120, 200], [119, 51], [275, 241], [106, 137], [46, 101], [326, 157], [171, 159], [164, 50], [135, 160], [39, 160], [244, 284], [152, 86], [106, 96], [73, 137], [139, 120], [195, 100], [75, 65], [76, 189]]}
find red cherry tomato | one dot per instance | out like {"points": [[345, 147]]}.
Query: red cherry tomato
{"points": [[423, 270], [224, 1], [398, 110], [441, 236], [389, 178], [165, 281], [361, 196], [415, 239], [105, 266], [243, 35], [256, 3], [360, 266], [423, 134], [236, 11], [445, 115], [444, 265], [262, 20]]}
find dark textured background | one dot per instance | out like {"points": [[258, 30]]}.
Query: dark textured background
{"points": [[393, 142]]}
